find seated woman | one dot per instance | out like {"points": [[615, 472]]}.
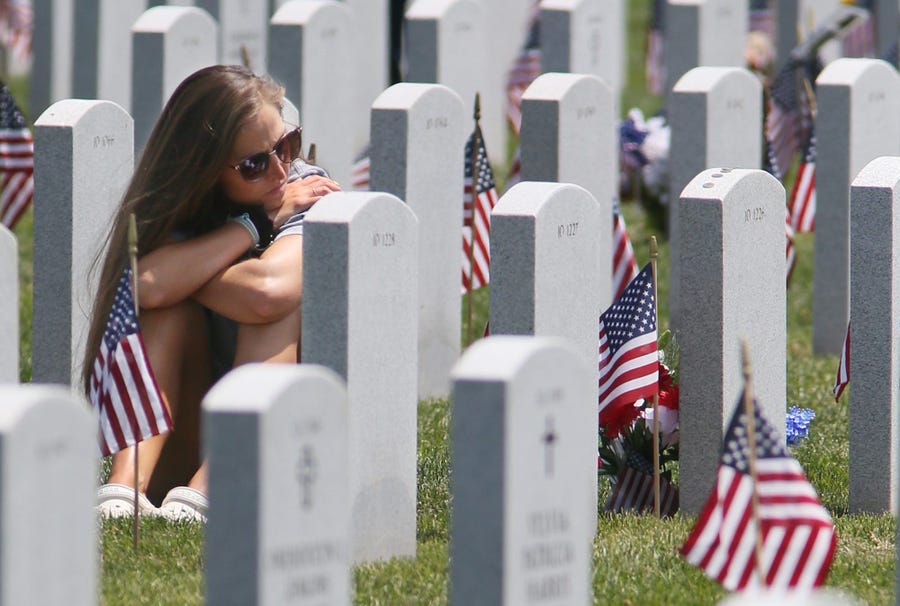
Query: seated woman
{"points": [[211, 184]]}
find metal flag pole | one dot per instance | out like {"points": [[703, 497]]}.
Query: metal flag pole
{"points": [[476, 138], [751, 460], [132, 255], [654, 253]]}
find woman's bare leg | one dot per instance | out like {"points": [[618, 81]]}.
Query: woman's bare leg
{"points": [[177, 345], [277, 342]]}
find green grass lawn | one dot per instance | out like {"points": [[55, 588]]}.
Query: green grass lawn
{"points": [[635, 559]]}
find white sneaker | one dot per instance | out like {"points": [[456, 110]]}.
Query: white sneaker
{"points": [[184, 503], [117, 501]]}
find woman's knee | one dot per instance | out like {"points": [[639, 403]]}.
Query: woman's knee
{"points": [[273, 342]]}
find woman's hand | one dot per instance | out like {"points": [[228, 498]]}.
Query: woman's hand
{"points": [[300, 195]]}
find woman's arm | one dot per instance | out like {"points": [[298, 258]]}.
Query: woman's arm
{"points": [[258, 291], [175, 271]]}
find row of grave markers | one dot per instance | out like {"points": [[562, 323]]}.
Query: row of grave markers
{"points": [[364, 248], [325, 52], [416, 131], [323, 473]]}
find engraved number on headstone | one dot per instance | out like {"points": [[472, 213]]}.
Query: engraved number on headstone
{"points": [[549, 439], [103, 141], [876, 96], [384, 239], [190, 42], [596, 46], [306, 475], [438, 122], [754, 214], [567, 230], [328, 33], [735, 103], [588, 111]]}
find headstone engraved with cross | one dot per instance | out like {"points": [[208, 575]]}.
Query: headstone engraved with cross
{"points": [[549, 438], [306, 474], [278, 527], [521, 530]]}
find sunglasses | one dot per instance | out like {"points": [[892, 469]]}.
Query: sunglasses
{"points": [[287, 149]]}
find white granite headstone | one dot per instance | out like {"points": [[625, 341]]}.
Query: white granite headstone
{"points": [[585, 37], [733, 272], [875, 335], [52, 49], [243, 27], [102, 59], [83, 160], [48, 487], [709, 33], [310, 48], [360, 307], [521, 436], [9, 307], [569, 136], [715, 116], [856, 122], [168, 44], [417, 155], [278, 526], [446, 43], [372, 52]]}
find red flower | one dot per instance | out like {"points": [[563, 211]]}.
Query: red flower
{"points": [[615, 419], [668, 393]]}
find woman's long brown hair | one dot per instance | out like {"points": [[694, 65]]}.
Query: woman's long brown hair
{"points": [[175, 186]]}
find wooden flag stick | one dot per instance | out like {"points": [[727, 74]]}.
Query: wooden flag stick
{"points": [[475, 147], [751, 460], [132, 256], [654, 253], [245, 57]]}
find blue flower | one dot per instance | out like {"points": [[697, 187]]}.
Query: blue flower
{"points": [[798, 423]]}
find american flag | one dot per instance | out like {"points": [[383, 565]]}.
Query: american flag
{"points": [[16, 26], [359, 176], [654, 62], [843, 372], [783, 116], [858, 40], [123, 390], [633, 490], [798, 537], [624, 264], [629, 368], [771, 166], [16, 160], [789, 246], [515, 169], [526, 68], [802, 201], [479, 199]]}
